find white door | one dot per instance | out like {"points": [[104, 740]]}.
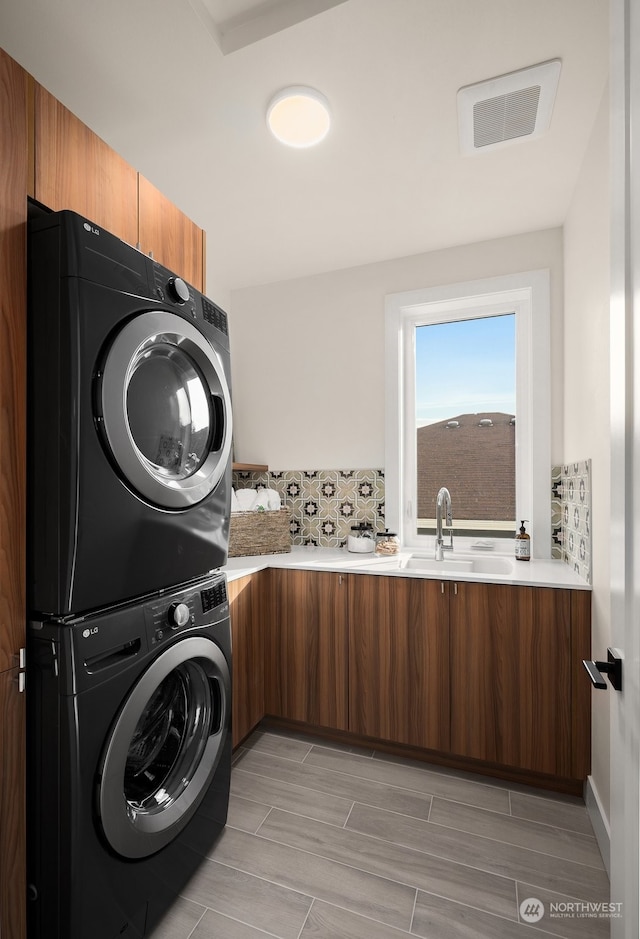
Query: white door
{"points": [[625, 464]]}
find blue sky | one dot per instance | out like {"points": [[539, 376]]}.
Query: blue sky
{"points": [[465, 367]]}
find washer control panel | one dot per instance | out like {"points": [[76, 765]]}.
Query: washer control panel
{"points": [[192, 607]]}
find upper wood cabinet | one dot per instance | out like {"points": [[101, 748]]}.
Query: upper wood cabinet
{"points": [[75, 169], [511, 676], [13, 218], [247, 687], [306, 647], [169, 236], [399, 660]]}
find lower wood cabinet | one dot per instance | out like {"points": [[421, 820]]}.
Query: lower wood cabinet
{"points": [[511, 676], [399, 660], [247, 637], [306, 648], [13, 901], [475, 672]]}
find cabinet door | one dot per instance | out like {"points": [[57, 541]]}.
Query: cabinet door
{"points": [[580, 689], [75, 169], [13, 320], [169, 236], [13, 901], [248, 656], [307, 648], [511, 676], [399, 660], [13, 217]]}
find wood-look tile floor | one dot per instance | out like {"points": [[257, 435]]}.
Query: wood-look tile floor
{"points": [[330, 842]]}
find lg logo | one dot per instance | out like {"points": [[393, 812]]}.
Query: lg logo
{"points": [[89, 632], [531, 910], [90, 228]]}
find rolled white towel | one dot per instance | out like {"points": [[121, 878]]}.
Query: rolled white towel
{"points": [[275, 502], [246, 499], [234, 501], [261, 502], [267, 500]]}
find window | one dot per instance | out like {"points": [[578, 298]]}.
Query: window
{"points": [[465, 406], [464, 411]]}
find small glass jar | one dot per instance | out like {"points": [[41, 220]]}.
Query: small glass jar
{"points": [[361, 540], [387, 543]]}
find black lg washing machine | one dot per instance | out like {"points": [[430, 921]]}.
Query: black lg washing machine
{"points": [[129, 422], [129, 760]]}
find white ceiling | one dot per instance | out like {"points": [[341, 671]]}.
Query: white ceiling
{"points": [[389, 180]]}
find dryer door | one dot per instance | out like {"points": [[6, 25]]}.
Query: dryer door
{"points": [[164, 748], [165, 409]]}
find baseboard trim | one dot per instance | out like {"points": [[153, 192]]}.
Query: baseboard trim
{"points": [[465, 764], [599, 821]]}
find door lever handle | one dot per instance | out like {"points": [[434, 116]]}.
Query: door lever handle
{"points": [[612, 668]]}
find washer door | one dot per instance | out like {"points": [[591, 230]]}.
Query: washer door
{"points": [[165, 407], [164, 748]]}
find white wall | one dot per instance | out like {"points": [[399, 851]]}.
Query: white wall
{"points": [[586, 391], [308, 354]]}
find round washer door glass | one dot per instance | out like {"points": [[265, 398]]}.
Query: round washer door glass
{"points": [[165, 747], [166, 410]]}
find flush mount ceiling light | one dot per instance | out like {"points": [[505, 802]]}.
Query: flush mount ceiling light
{"points": [[299, 116]]}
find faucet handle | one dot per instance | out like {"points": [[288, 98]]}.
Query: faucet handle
{"points": [[448, 547]]}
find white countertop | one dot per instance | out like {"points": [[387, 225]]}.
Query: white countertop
{"points": [[534, 573]]}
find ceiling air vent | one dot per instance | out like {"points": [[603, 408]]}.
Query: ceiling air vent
{"points": [[512, 107]]}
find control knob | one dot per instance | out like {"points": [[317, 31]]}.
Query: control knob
{"points": [[178, 615], [178, 290]]}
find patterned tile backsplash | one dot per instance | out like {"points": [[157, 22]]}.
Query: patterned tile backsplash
{"points": [[571, 516], [324, 503]]}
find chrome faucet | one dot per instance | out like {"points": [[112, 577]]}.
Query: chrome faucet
{"points": [[443, 500]]}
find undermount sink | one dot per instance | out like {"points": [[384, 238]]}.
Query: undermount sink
{"points": [[462, 564]]}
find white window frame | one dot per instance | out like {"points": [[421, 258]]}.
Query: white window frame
{"points": [[528, 295]]}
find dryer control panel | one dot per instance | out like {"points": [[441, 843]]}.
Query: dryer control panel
{"points": [[169, 288]]}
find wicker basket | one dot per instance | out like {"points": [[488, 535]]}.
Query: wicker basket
{"points": [[259, 533]]}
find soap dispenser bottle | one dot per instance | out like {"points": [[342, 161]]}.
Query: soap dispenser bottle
{"points": [[523, 543]]}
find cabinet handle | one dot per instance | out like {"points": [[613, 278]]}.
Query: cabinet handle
{"points": [[340, 580], [20, 660], [612, 667], [455, 590], [442, 586]]}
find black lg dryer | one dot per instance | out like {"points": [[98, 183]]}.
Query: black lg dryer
{"points": [[129, 760], [129, 422]]}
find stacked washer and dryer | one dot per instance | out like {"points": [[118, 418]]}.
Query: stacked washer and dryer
{"points": [[129, 647]]}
